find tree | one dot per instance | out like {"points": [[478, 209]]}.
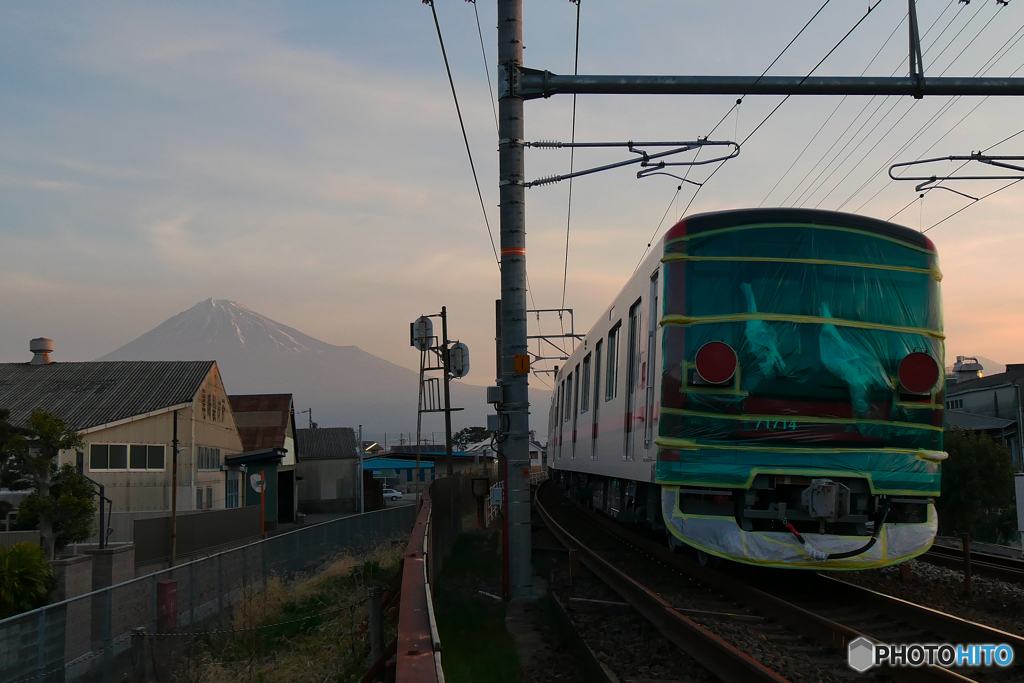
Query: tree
{"points": [[25, 579], [10, 476], [977, 488], [61, 506], [464, 437]]}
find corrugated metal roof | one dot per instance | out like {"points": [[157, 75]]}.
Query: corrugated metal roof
{"points": [[99, 392], [1014, 373], [262, 419], [975, 422], [326, 443]]}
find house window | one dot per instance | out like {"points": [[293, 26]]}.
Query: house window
{"points": [[231, 492], [209, 497], [209, 458], [119, 456], [199, 499], [955, 403], [612, 380]]}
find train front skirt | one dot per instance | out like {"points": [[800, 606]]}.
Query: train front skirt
{"points": [[723, 537]]}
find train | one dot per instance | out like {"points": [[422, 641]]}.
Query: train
{"points": [[766, 389]]}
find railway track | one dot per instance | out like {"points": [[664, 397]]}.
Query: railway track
{"points": [[984, 564], [810, 616]]}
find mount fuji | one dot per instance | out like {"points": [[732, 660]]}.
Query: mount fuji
{"points": [[343, 385]]}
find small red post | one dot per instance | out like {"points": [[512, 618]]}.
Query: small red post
{"points": [[166, 605]]}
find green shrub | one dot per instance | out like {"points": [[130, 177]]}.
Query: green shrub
{"points": [[977, 488], [25, 579]]}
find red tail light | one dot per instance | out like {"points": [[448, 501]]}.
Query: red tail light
{"points": [[918, 373], [716, 362]]}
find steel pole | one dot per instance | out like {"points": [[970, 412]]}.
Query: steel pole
{"points": [[362, 482], [445, 363], [174, 492], [515, 387]]}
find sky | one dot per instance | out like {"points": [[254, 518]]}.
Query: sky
{"points": [[305, 159]]}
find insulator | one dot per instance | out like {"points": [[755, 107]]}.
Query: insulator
{"points": [[546, 144], [546, 181]]}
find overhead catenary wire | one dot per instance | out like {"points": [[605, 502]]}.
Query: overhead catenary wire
{"points": [[733, 108], [465, 138], [990, 64], [985, 196], [786, 98], [855, 119], [487, 72], [898, 121], [825, 123], [572, 151]]}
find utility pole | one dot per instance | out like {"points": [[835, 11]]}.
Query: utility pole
{"points": [[445, 363], [362, 483], [174, 491], [515, 385]]}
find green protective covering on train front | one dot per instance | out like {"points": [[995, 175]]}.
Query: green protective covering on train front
{"points": [[820, 316]]}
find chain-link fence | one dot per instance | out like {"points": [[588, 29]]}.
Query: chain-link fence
{"points": [[89, 637]]}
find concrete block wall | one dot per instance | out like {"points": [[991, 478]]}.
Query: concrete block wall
{"points": [[112, 565]]}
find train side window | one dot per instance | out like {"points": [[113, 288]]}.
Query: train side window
{"points": [[585, 396], [612, 379], [567, 396]]}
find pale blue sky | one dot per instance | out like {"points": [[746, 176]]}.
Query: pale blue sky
{"points": [[305, 159]]}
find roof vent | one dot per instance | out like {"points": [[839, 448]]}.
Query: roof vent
{"points": [[42, 348]]}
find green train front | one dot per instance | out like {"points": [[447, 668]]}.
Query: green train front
{"points": [[800, 419]]}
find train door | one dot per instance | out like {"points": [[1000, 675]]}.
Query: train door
{"points": [[575, 408], [597, 398], [558, 417], [632, 367], [650, 367]]}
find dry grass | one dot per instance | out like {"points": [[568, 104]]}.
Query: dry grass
{"points": [[305, 630]]}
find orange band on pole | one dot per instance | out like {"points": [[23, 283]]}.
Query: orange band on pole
{"points": [[513, 251]]}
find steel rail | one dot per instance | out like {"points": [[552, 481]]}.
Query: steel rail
{"points": [[923, 617], [719, 657], [814, 626], [985, 564]]}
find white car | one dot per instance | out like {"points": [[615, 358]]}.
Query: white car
{"points": [[392, 494]]}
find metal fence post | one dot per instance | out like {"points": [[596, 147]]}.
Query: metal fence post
{"points": [[108, 651], [376, 623], [220, 582], [192, 595], [156, 606], [41, 640], [139, 655]]}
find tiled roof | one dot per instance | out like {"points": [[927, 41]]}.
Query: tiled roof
{"points": [[326, 442], [262, 419], [100, 392]]}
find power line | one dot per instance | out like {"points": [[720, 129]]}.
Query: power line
{"points": [[1010, 184], [740, 101], [462, 125], [786, 98], [572, 152], [985, 68], [487, 72], [891, 128], [856, 118], [822, 126]]}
